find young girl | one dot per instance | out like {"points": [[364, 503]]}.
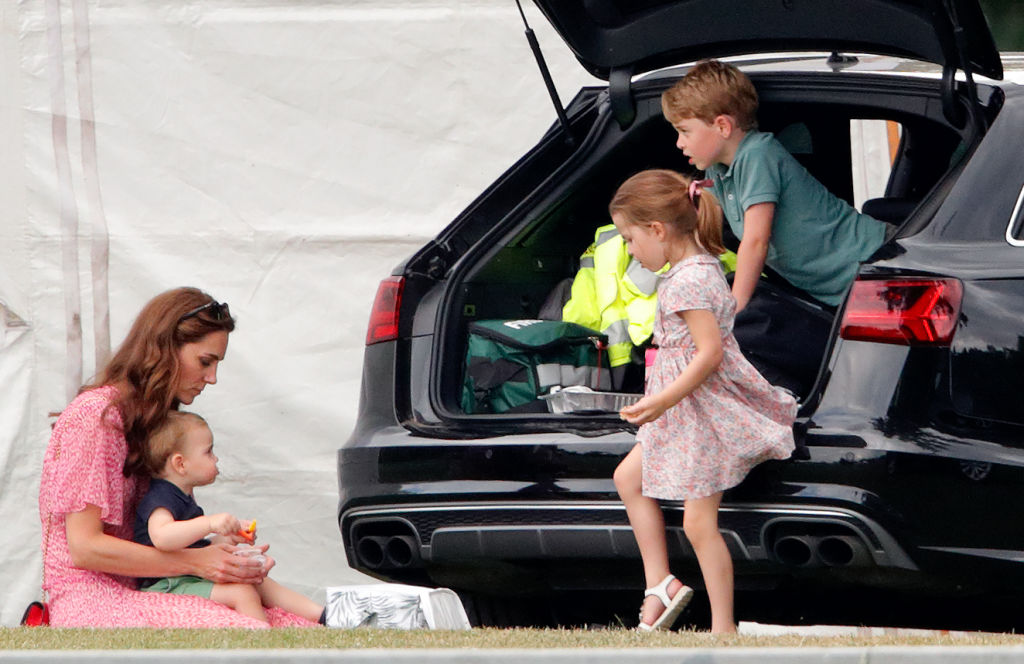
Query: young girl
{"points": [[708, 417]]}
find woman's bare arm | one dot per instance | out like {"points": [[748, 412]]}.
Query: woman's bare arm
{"points": [[93, 549]]}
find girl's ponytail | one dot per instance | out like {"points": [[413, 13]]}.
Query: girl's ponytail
{"points": [[709, 222], [673, 199]]}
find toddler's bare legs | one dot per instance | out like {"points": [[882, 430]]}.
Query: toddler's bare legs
{"points": [[649, 528], [242, 597], [700, 521], [274, 594]]}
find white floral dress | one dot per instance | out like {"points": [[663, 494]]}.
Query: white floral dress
{"points": [[734, 420]]}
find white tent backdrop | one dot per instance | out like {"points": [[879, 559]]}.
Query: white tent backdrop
{"points": [[282, 155]]}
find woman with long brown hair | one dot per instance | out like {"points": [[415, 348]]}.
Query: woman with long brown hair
{"points": [[93, 475]]}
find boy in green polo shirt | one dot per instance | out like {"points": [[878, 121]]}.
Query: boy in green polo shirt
{"points": [[784, 217]]}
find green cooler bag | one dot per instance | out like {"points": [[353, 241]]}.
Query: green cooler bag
{"points": [[510, 363]]}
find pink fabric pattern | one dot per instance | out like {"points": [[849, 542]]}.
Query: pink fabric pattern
{"points": [[710, 440], [82, 467]]}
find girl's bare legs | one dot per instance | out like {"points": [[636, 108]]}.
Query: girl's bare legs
{"points": [[242, 597], [649, 528], [700, 521], [274, 594]]}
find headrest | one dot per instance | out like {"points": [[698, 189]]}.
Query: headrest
{"points": [[890, 210]]}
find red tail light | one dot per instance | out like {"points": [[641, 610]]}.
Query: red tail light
{"points": [[906, 311], [384, 317]]}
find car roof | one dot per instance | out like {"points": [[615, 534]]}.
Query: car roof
{"points": [[854, 63], [637, 36]]}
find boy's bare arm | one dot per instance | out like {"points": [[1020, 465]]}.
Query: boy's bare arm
{"points": [[750, 257], [170, 535]]}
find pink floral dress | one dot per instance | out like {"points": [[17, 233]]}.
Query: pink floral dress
{"points": [[82, 467], [734, 420]]}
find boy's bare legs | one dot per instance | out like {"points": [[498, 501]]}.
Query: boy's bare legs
{"points": [[283, 597], [700, 522], [648, 524], [242, 597]]}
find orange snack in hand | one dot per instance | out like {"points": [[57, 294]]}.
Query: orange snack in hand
{"points": [[249, 533]]}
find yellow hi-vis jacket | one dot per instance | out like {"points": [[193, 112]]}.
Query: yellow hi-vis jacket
{"points": [[615, 294]]}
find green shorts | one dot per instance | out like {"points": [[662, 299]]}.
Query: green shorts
{"points": [[181, 585]]}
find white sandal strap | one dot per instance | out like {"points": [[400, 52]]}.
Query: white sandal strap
{"points": [[661, 591]]}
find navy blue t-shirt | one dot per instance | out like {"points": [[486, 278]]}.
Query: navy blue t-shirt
{"points": [[165, 494]]}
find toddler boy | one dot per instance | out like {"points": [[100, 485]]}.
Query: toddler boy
{"points": [[180, 456]]}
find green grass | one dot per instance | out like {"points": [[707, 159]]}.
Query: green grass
{"points": [[48, 638]]}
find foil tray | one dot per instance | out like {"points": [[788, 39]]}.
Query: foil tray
{"points": [[581, 400]]}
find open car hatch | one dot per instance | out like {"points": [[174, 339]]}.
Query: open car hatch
{"points": [[643, 35]]}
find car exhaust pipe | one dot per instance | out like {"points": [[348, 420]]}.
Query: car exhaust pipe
{"points": [[371, 551], [401, 550], [795, 550], [843, 551], [385, 544]]}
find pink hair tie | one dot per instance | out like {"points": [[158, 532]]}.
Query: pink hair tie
{"points": [[695, 187]]}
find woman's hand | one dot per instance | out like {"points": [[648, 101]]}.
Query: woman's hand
{"points": [[218, 563]]}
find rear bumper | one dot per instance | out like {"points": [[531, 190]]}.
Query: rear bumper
{"points": [[861, 509], [480, 534]]}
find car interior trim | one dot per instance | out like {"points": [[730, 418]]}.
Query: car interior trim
{"points": [[1010, 238]]}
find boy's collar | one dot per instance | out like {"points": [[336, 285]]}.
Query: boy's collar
{"points": [[740, 147], [164, 478]]}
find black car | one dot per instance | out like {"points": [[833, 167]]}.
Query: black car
{"points": [[909, 471]]}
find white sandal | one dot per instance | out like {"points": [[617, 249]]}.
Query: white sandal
{"points": [[673, 607]]}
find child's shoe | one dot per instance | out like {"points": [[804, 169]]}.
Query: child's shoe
{"points": [[673, 606]]}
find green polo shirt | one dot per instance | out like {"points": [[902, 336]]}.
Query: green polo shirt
{"points": [[817, 239]]}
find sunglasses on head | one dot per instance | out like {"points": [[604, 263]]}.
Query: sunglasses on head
{"points": [[216, 311]]}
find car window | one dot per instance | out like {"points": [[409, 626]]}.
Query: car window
{"points": [[873, 147]]}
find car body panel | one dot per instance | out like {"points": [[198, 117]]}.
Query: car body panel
{"points": [[607, 35]]}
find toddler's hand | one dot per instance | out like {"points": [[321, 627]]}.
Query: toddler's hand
{"points": [[223, 524], [247, 532]]}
